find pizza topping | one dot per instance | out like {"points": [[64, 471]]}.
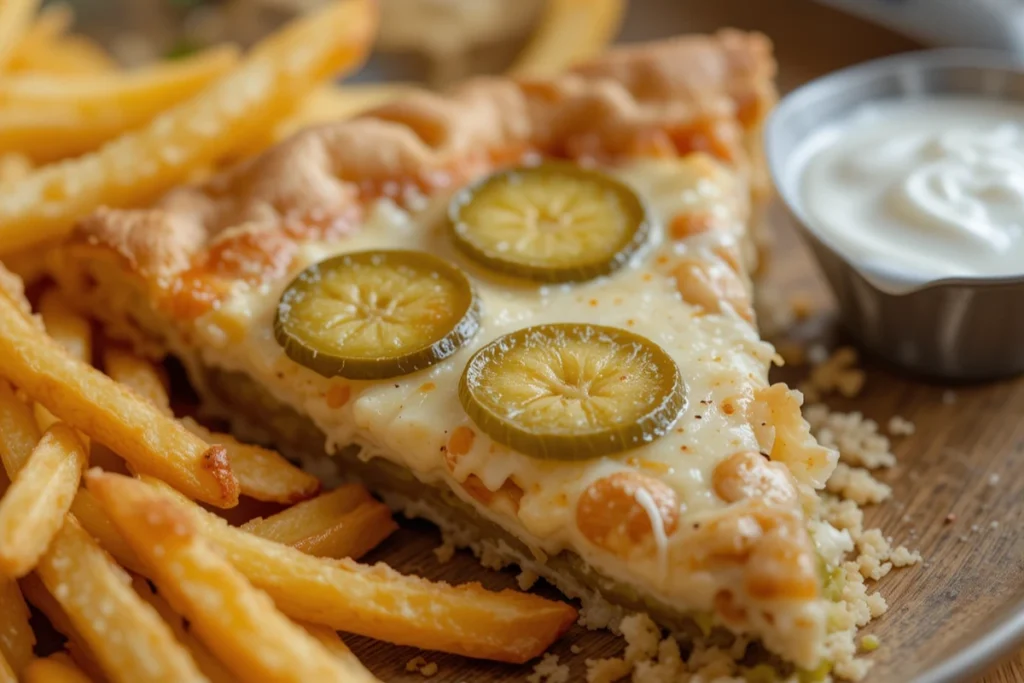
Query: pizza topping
{"points": [[572, 391], [626, 511], [550, 223], [376, 314]]}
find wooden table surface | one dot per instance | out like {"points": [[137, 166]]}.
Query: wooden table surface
{"points": [[945, 467]]}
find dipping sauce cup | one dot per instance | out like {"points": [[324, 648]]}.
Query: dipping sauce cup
{"points": [[966, 327]]}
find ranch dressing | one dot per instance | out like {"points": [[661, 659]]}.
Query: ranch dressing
{"points": [[927, 188]]}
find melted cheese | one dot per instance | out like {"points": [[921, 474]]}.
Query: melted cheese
{"points": [[409, 419]]}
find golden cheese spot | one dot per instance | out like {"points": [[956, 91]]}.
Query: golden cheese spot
{"points": [[338, 395], [686, 225], [749, 475], [461, 441], [609, 515], [427, 387]]}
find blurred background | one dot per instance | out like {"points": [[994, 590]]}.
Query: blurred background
{"points": [[441, 41]]}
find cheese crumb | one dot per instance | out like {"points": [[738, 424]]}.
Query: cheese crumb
{"points": [[526, 579], [869, 643], [836, 373], [548, 670], [445, 552], [575, 649], [415, 663], [858, 485], [428, 670], [898, 426]]}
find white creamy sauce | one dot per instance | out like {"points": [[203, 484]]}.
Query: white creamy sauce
{"points": [[927, 188], [409, 419]]}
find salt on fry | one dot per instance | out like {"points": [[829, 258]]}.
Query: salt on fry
{"points": [[381, 603], [207, 662], [16, 637], [142, 164], [235, 620], [33, 509], [128, 638], [40, 598], [345, 522], [90, 401]]}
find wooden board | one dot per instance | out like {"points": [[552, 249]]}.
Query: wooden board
{"points": [[973, 566]]}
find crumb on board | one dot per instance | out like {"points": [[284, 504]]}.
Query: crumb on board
{"points": [[950, 518], [855, 437], [836, 373], [857, 484], [420, 665], [575, 649], [869, 643], [526, 579], [548, 670], [993, 479], [900, 426], [445, 552]]}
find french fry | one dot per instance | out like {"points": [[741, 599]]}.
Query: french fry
{"points": [[37, 594], [16, 636], [330, 639], [6, 671], [345, 522], [235, 620], [33, 509], [211, 667], [570, 32], [128, 638], [93, 519], [57, 668], [65, 55], [15, 18], [18, 431], [139, 375], [65, 326], [54, 117], [142, 164], [107, 412], [262, 474], [381, 603]]}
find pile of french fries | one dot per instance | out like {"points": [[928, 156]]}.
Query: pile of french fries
{"points": [[114, 513]]}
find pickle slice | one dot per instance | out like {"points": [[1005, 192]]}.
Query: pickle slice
{"points": [[572, 391], [376, 314], [550, 223]]}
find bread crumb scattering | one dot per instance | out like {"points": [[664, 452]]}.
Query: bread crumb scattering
{"points": [[429, 670], [575, 649], [899, 426], [855, 437], [836, 373], [526, 579], [857, 484], [445, 552], [548, 670], [415, 663]]}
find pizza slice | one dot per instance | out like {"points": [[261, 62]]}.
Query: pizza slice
{"points": [[521, 310]]}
